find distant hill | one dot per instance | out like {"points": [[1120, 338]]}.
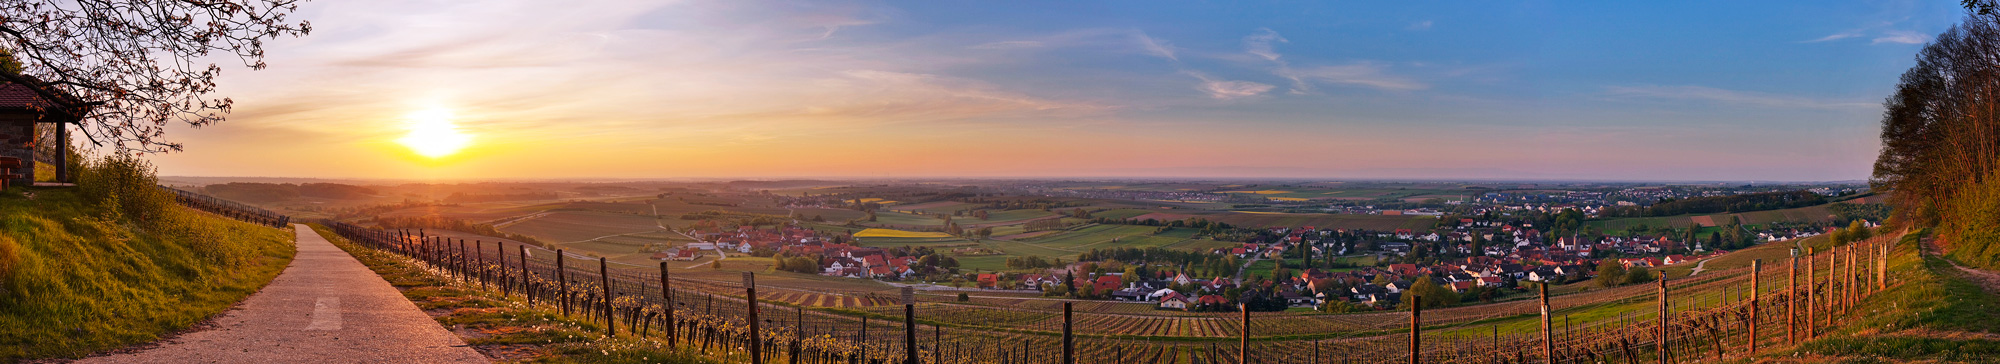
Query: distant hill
{"points": [[796, 183], [274, 192]]}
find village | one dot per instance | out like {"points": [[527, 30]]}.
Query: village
{"points": [[1478, 259]]}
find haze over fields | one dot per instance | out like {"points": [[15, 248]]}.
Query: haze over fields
{"points": [[641, 89]]}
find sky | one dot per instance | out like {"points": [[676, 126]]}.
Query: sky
{"points": [[579, 89]]}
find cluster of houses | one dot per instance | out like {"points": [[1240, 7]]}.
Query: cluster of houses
{"points": [[837, 258], [1368, 286]]}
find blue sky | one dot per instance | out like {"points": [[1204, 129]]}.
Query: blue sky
{"points": [[1707, 90]]}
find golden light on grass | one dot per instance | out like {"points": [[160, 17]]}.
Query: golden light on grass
{"points": [[432, 134]]}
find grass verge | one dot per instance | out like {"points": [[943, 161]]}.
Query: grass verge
{"points": [[76, 278], [1928, 314], [504, 328]]}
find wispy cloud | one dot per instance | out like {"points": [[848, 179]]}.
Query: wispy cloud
{"points": [[1835, 36], [1009, 44], [1711, 94], [1878, 33], [1259, 43], [1155, 47], [1262, 44], [1422, 25], [1902, 37], [1228, 89], [1359, 74]]}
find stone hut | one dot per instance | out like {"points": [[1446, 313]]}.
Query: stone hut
{"points": [[26, 107]]}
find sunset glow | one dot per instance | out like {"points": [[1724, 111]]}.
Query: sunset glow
{"points": [[643, 89], [432, 134]]}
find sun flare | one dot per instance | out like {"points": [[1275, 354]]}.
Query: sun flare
{"points": [[432, 134]]}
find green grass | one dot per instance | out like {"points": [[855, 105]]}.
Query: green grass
{"points": [[75, 283], [1906, 348]]}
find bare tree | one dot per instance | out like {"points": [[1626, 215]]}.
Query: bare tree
{"points": [[132, 65]]}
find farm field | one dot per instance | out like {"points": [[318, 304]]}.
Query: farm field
{"points": [[830, 215], [1090, 237], [1121, 214], [567, 226], [1800, 214], [893, 233], [1325, 221], [1202, 244], [1007, 216], [941, 207], [889, 242], [893, 218]]}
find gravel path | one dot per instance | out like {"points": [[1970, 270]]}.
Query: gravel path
{"points": [[325, 308]]}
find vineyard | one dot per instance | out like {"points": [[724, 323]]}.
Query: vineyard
{"points": [[1717, 313]]}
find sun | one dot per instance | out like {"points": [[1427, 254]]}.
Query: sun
{"points": [[432, 134]]}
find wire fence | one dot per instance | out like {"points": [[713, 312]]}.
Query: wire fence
{"points": [[1716, 314], [229, 209]]}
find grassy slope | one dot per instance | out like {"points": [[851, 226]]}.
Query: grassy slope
{"points": [[79, 285], [1931, 313]]}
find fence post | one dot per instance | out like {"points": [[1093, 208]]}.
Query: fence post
{"points": [[1853, 294], [910, 325], [798, 334], [1069, 336], [1243, 342], [1832, 284], [562, 283], [1548, 339], [604, 274], [756, 339], [479, 255], [527, 281], [1882, 268], [1812, 296], [1756, 270], [1663, 317], [1792, 303], [1416, 328], [667, 293]]}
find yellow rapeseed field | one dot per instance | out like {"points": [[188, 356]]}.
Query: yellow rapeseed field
{"points": [[893, 233]]}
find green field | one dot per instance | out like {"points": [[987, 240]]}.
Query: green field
{"points": [[1120, 214], [1099, 236], [1326, 221], [1007, 216]]}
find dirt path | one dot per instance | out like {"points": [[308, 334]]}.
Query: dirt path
{"points": [[325, 308], [1989, 280], [1700, 266]]}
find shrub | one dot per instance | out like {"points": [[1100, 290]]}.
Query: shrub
{"points": [[124, 188], [1638, 275], [1972, 224]]}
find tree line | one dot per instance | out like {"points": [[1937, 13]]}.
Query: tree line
{"points": [[1941, 141], [1720, 204]]}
